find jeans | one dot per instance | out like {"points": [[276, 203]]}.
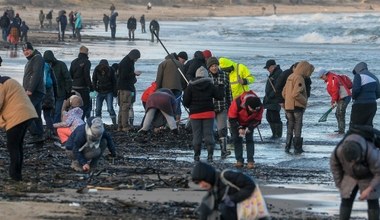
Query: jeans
{"points": [[340, 113], [238, 145], [99, 104], [58, 109], [36, 127], [295, 118]]}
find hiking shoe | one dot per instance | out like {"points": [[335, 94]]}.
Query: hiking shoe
{"points": [[250, 165], [239, 164], [58, 144], [225, 154]]}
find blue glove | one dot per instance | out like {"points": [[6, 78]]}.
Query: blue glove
{"points": [[228, 202]]}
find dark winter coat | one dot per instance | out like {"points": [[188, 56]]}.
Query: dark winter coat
{"points": [[80, 72], [33, 79], [365, 87], [154, 26], [112, 19], [344, 177], [127, 78], [63, 21], [164, 100], [132, 23], [168, 75], [5, 21], [221, 78], [194, 64], [271, 100], [61, 73], [199, 94], [103, 78]]}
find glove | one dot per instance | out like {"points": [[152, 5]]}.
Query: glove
{"points": [[228, 202]]}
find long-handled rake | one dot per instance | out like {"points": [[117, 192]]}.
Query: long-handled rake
{"points": [[326, 114]]}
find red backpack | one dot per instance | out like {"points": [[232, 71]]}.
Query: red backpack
{"points": [[345, 80]]}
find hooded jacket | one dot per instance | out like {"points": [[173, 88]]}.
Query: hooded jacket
{"points": [[80, 72], [33, 79], [239, 71], [15, 105], [271, 100], [365, 87], [199, 94], [335, 88], [61, 73], [343, 174], [103, 78], [294, 92], [193, 65], [238, 114], [127, 77]]}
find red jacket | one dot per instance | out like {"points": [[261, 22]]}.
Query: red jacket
{"points": [[148, 92], [238, 112], [333, 87]]}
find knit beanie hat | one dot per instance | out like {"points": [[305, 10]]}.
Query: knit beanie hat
{"points": [[95, 127], [207, 54], [183, 55], [211, 61], [253, 102], [27, 46], [201, 72], [203, 172]]}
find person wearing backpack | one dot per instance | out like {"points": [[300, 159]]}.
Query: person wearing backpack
{"points": [[222, 198], [340, 95], [365, 92], [355, 165], [48, 103]]}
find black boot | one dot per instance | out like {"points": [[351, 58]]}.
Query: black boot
{"points": [[344, 213], [298, 142], [210, 151], [278, 130], [197, 153], [223, 148], [373, 214], [113, 118], [288, 145], [273, 129]]}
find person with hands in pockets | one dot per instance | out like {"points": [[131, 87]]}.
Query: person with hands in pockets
{"points": [[244, 115]]}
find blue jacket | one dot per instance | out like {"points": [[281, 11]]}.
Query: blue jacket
{"points": [[366, 87], [78, 138]]}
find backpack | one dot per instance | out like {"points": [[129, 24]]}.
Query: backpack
{"points": [[345, 80], [47, 76]]}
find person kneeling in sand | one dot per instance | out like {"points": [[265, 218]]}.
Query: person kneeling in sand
{"points": [[87, 143], [71, 119]]}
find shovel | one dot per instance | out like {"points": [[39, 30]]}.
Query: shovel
{"points": [[326, 114]]}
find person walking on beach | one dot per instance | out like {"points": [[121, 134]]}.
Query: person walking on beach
{"points": [[49, 17], [33, 83], [72, 22], [125, 86], [113, 24], [14, 33], [80, 74], [131, 25], [224, 191], [64, 82], [78, 26], [16, 112], [198, 97], [239, 76], [271, 101], [365, 92], [154, 29], [104, 83], [340, 96], [142, 22], [296, 97], [24, 32], [106, 21], [48, 103], [62, 24], [221, 106], [41, 18], [4, 25], [355, 166], [87, 144], [244, 115]]}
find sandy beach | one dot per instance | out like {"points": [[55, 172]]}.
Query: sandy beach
{"points": [[68, 204]]}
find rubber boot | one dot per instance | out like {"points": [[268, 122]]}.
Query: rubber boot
{"points": [[298, 142], [278, 130], [345, 213], [273, 129], [373, 214], [223, 148], [131, 122], [210, 151], [288, 144], [197, 153]]}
